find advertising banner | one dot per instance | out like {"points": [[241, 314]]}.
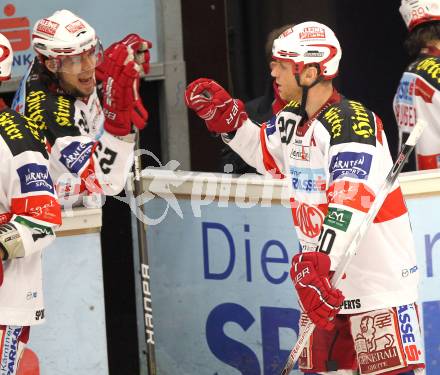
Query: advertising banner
{"points": [[223, 300], [112, 21]]}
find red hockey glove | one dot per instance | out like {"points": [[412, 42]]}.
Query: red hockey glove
{"points": [[213, 104], [122, 105], [141, 51], [321, 302]]}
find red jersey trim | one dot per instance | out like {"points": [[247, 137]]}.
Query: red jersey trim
{"points": [[268, 161], [41, 207], [393, 207]]}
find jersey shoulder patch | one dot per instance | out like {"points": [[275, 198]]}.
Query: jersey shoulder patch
{"points": [[291, 107], [54, 114], [20, 134], [428, 68], [349, 121]]}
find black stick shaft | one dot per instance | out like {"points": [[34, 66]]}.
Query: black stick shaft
{"points": [[144, 269]]}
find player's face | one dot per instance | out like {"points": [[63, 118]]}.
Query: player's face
{"points": [[79, 84], [282, 72]]}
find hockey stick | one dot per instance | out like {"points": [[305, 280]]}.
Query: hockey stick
{"points": [[144, 267], [354, 245]]}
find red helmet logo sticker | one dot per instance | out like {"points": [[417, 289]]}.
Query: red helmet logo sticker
{"points": [[5, 52], [48, 27], [75, 26], [313, 32]]}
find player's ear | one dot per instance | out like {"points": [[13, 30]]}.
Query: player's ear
{"points": [[51, 65], [311, 73]]}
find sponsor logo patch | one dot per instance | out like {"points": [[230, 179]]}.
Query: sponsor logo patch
{"points": [[350, 164], [405, 91], [10, 348], [76, 155], [361, 120], [38, 231], [313, 32], [300, 153], [337, 218], [335, 120], [47, 27], [410, 333], [75, 26], [350, 304], [376, 342], [34, 177], [308, 180]]}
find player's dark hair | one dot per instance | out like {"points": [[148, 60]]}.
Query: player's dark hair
{"points": [[275, 33], [421, 35]]}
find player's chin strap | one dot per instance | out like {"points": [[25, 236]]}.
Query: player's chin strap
{"points": [[305, 93]]}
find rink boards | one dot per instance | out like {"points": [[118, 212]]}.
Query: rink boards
{"points": [[220, 249]]}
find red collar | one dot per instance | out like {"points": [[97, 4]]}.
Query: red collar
{"points": [[2, 104], [431, 50], [335, 97]]}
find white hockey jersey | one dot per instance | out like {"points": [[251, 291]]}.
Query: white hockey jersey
{"points": [[84, 158], [335, 163], [418, 97], [28, 201]]}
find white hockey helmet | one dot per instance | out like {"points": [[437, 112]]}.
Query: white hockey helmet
{"points": [[6, 57], [416, 12], [309, 43], [66, 38]]}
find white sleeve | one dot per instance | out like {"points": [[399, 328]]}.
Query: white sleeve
{"points": [[35, 211], [260, 147], [102, 165]]}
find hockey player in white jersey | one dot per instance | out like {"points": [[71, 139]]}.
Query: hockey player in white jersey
{"points": [[29, 212], [335, 155], [90, 133], [418, 94]]}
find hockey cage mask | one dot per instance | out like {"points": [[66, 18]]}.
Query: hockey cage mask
{"points": [[68, 42], [416, 12]]}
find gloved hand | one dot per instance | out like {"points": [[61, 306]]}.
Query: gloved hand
{"points": [[141, 51], [212, 103], [121, 103], [310, 276]]}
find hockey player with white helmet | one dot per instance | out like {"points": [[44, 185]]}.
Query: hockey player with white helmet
{"points": [[90, 132], [418, 94], [29, 213], [335, 155]]}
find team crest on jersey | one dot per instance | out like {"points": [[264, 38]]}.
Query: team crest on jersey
{"points": [[34, 177], [76, 155], [350, 164], [308, 219]]}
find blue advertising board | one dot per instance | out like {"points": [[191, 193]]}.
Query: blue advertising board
{"points": [[223, 301]]}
